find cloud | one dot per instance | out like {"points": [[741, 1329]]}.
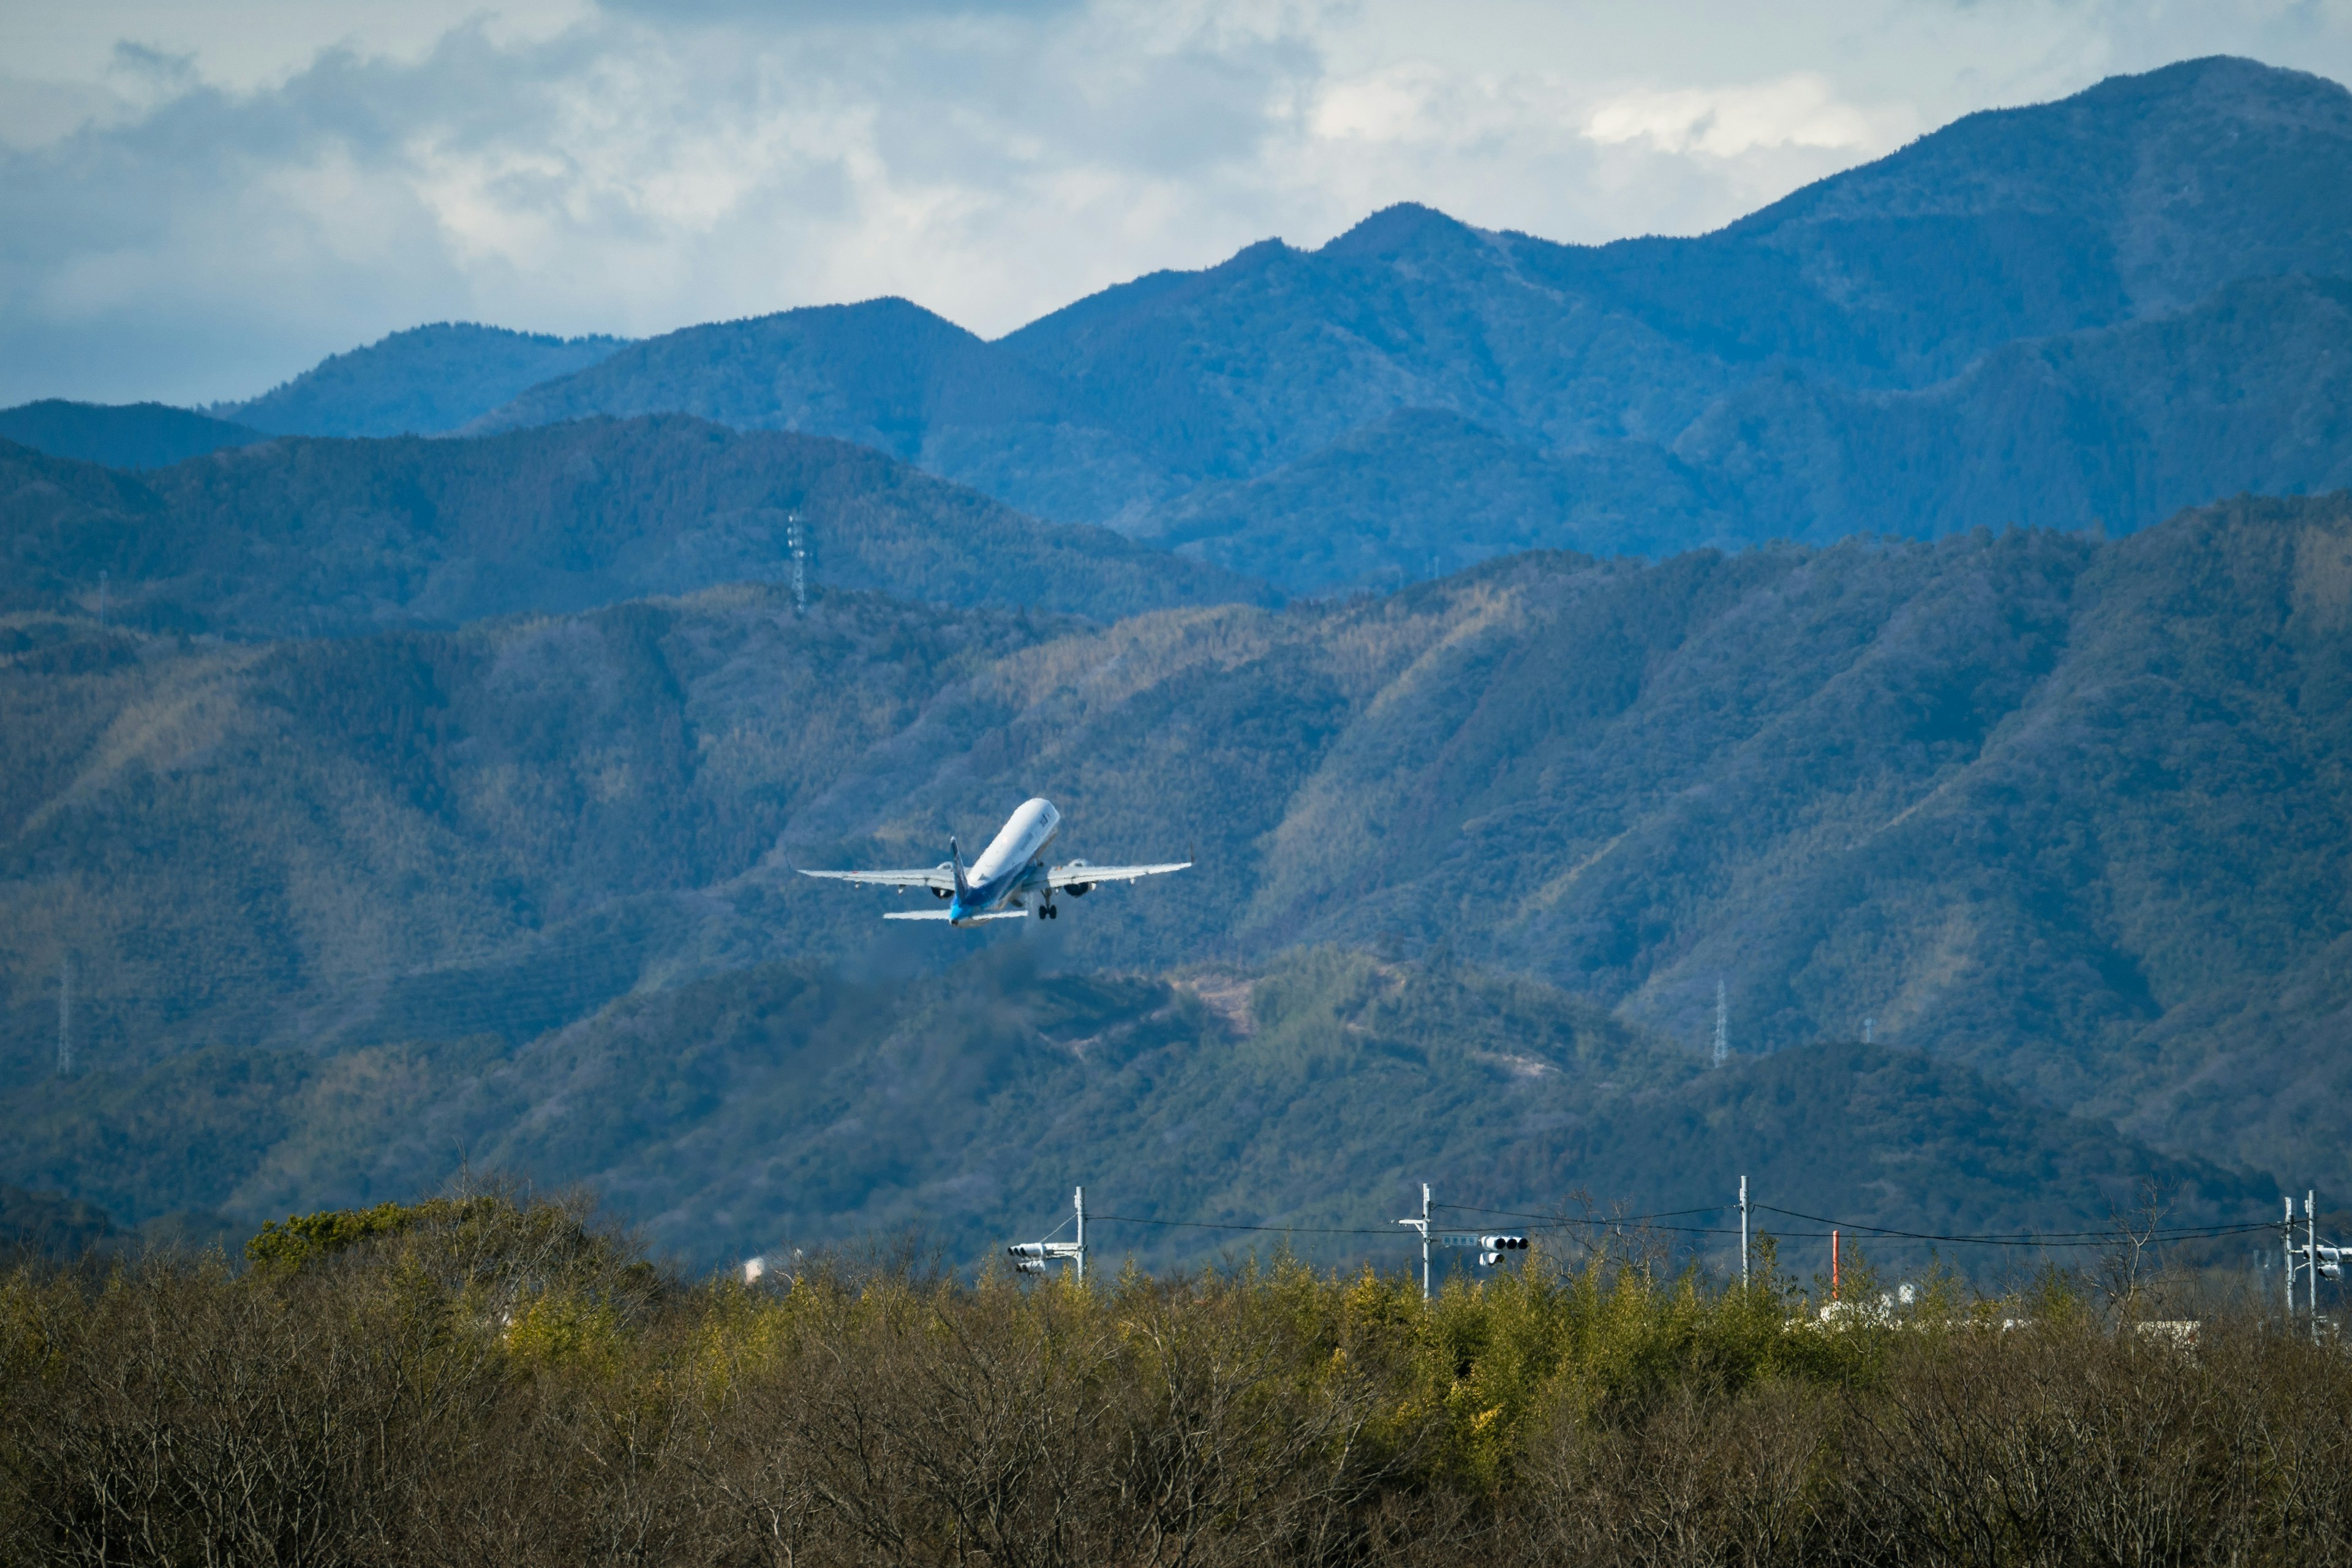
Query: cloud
{"points": [[1800, 110], [196, 201]]}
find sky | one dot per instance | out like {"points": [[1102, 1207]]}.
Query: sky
{"points": [[199, 200]]}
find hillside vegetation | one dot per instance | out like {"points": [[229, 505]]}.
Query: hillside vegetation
{"points": [[127, 436], [303, 537], [283, 842], [787, 1105], [2070, 813], [2105, 307], [2111, 426]]}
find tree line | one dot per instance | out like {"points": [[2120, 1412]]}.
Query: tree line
{"points": [[494, 1379]]}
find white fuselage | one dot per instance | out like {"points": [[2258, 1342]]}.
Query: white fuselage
{"points": [[1008, 868]]}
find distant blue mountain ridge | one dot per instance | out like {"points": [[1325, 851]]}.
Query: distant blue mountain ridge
{"points": [[2094, 310], [2092, 313], [120, 436], [426, 381], [422, 382]]}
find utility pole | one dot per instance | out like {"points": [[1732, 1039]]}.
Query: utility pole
{"points": [[1722, 1023], [1078, 1202], [2286, 1244], [2318, 1262], [1743, 1235], [1421, 1224], [64, 1017]]}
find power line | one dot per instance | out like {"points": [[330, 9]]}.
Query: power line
{"points": [[1217, 1224], [1572, 1220], [2057, 1239], [2051, 1238]]}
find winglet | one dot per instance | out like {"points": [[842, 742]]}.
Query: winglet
{"points": [[955, 855]]}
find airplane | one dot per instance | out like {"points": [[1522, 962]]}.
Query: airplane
{"points": [[1008, 880]]}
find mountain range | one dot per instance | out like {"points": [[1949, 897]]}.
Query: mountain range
{"points": [[2100, 309], [2068, 813], [2091, 313], [1804, 614]]}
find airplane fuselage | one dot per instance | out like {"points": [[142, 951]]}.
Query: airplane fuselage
{"points": [[1009, 870]]}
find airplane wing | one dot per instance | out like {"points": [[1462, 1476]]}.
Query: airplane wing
{"points": [[1078, 871], [937, 877], [942, 914]]}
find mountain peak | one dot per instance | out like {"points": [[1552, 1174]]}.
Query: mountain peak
{"points": [[124, 436], [2169, 182], [1392, 230], [2212, 78], [424, 380], [896, 309]]}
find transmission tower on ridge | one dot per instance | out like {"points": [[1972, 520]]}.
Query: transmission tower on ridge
{"points": [[64, 1017], [1722, 1023], [796, 540]]}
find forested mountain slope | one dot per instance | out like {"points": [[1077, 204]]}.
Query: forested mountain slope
{"points": [[2072, 812], [120, 435], [298, 536], [301, 843], [420, 382], [2144, 273], [2246, 392], [786, 1105]]}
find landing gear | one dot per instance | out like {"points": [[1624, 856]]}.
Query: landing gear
{"points": [[1048, 912]]}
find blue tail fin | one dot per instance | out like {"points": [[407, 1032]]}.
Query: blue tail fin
{"points": [[955, 856]]}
